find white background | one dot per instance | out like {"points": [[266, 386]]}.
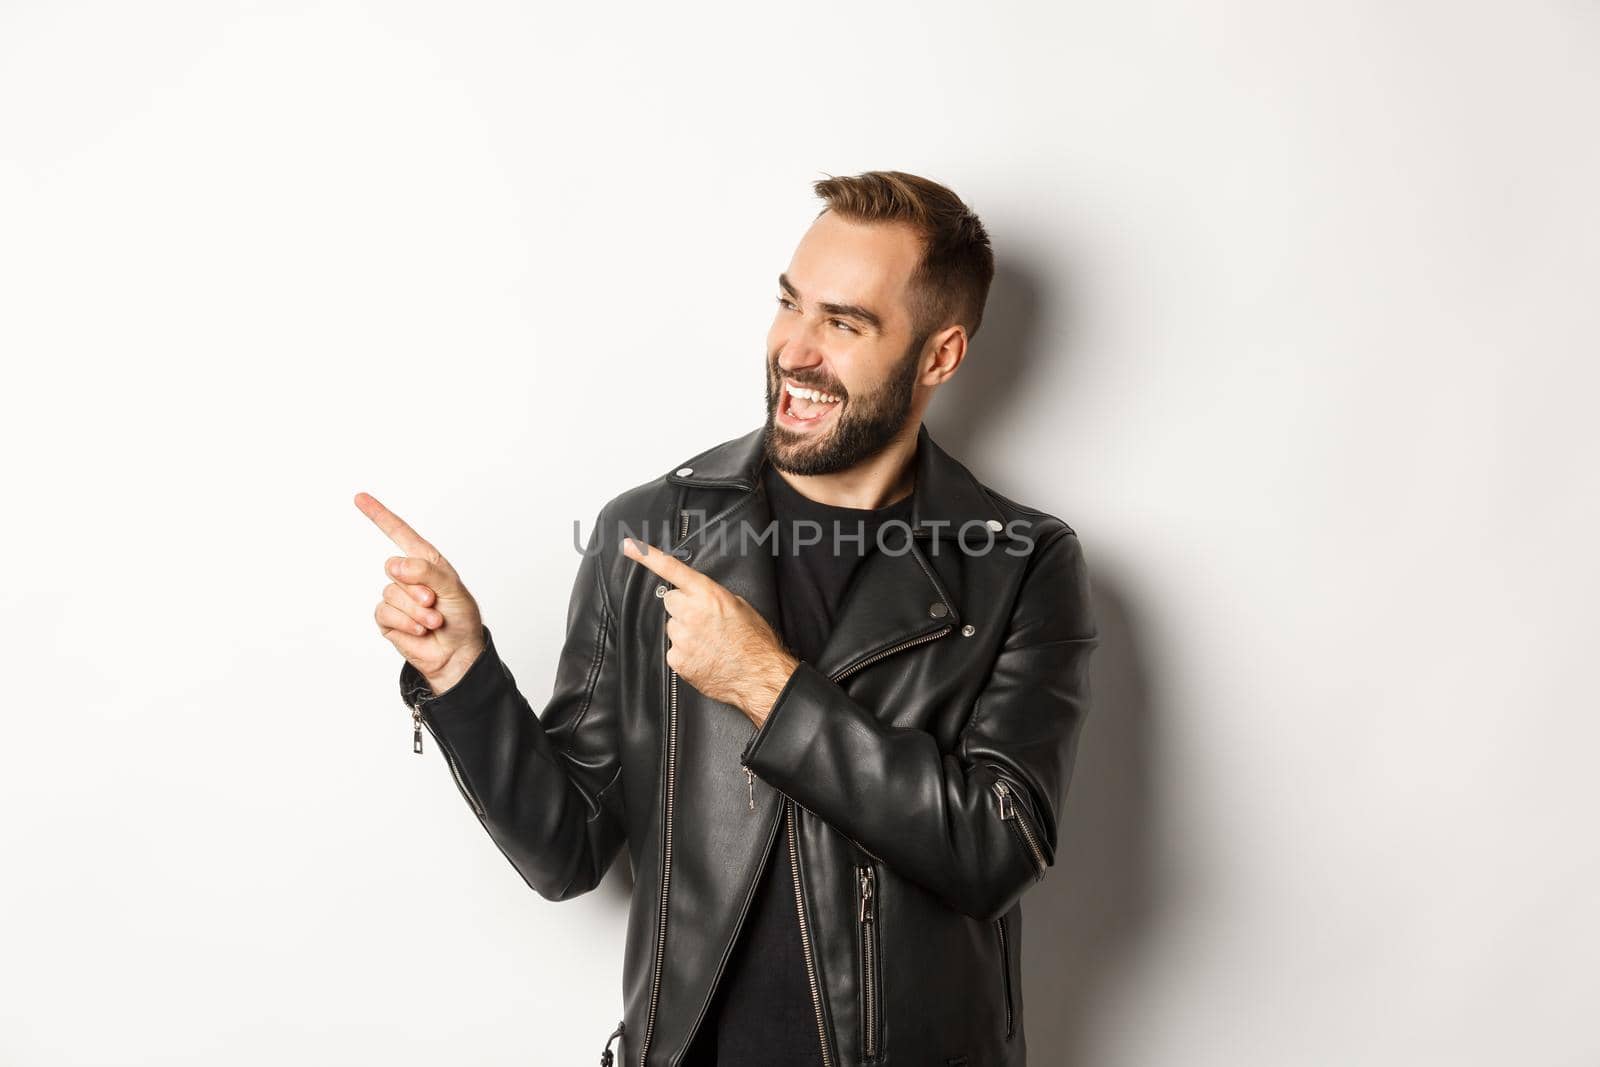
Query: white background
{"points": [[1295, 323]]}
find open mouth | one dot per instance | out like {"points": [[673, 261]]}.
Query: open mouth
{"points": [[805, 408]]}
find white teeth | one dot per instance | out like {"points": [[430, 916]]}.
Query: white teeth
{"points": [[810, 394]]}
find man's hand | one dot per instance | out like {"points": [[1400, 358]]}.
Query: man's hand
{"points": [[718, 643], [425, 612]]}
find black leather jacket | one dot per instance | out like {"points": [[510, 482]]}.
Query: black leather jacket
{"points": [[916, 771]]}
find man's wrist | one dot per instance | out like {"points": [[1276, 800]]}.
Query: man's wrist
{"points": [[766, 682], [455, 668]]}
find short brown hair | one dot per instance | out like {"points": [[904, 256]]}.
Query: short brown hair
{"points": [[951, 283]]}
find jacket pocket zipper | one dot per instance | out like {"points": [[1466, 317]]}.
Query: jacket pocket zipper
{"points": [[849, 669], [1011, 812], [871, 983], [1005, 972]]}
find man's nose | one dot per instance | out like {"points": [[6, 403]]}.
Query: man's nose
{"points": [[802, 347]]}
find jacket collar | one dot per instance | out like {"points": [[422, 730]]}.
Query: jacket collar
{"points": [[945, 496], [897, 599]]}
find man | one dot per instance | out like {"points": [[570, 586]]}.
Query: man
{"points": [[836, 766]]}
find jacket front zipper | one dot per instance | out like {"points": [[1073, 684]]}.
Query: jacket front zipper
{"points": [[866, 917], [666, 844], [1012, 812], [1005, 970], [805, 936]]}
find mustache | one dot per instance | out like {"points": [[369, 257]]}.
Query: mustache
{"points": [[777, 377]]}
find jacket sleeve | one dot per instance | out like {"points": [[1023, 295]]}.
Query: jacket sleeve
{"points": [[975, 826], [547, 788]]}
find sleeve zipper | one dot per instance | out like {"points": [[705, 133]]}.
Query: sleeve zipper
{"points": [[1011, 812], [417, 723]]}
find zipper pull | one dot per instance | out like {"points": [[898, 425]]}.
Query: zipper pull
{"points": [[866, 894], [1007, 811], [606, 1059], [416, 727], [750, 780]]}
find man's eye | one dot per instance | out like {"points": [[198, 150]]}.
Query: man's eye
{"points": [[784, 302], [843, 323]]}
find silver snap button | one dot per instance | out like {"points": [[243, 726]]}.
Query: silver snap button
{"points": [[684, 472], [968, 630], [995, 524], [661, 590], [938, 610]]}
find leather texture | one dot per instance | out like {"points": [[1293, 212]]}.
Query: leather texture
{"points": [[917, 770]]}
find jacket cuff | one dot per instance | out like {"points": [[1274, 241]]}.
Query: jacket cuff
{"points": [[485, 679], [778, 750]]}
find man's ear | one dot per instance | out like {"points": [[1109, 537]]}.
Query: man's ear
{"points": [[947, 349]]}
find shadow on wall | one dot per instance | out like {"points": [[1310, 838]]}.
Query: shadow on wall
{"points": [[997, 369], [1084, 921], [1085, 918]]}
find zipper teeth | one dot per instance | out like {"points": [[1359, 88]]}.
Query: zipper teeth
{"points": [[805, 937], [869, 983], [666, 868], [1021, 821], [1005, 973], [454, 770], [876, 656], [666, 852], [450, 760], [1033, 845]]}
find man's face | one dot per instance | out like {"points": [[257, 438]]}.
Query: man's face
{"points": [[843, 327]]}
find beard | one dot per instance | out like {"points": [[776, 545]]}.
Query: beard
{"points": [[863, 427]]}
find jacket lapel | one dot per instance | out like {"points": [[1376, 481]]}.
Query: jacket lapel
{"points": [[894, 599], [897, 597]]}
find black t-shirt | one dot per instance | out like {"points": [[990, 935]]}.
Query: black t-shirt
{"points": [[761, 1012]]}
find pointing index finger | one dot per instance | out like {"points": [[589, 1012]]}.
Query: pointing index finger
{"points": [[395, 527], [662, 563]]}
